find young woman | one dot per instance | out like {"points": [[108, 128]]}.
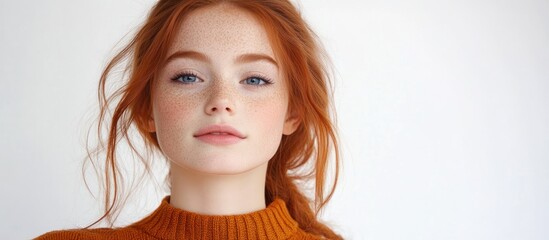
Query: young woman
{"points": [[235, 96]]}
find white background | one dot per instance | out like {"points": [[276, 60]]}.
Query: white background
{"points": [[443, 114]]}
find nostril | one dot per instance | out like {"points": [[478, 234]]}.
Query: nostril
{"points": [[217, 109]]}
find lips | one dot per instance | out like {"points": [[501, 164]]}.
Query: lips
{"points": [[219, 130]]}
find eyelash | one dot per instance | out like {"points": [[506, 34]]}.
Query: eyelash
{"points": [[183, 74], [258, 76], [261, 77]]}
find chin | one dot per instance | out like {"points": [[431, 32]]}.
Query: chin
{"points": [[224, 167]]}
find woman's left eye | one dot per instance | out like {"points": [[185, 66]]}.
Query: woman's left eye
{"points": [[257, 81]]}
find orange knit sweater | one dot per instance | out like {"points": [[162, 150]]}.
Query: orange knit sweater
{"points": [[168, 222]]}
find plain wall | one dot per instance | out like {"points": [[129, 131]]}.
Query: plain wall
{"points": [[443, 112]]}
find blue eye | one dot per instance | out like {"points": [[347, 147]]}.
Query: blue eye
{"points": [[257, 81], [185, 78]]}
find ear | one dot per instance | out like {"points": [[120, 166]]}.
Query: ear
{"points": [[290, 124]]}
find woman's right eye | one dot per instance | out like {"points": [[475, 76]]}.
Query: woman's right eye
{"points": [[185, 78]]}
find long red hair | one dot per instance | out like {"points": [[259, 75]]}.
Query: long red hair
{"points": [[301, 156]]}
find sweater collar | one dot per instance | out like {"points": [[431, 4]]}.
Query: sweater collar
{"points": [[168, 222]]}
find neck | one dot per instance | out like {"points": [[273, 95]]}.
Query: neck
{"points": [[216, 194]]}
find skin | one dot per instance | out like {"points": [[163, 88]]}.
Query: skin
{"points": [[220, 179]]}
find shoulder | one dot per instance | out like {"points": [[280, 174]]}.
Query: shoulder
{"points": [[96, 233], [75, 234]]}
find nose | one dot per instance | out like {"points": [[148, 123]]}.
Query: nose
{"points": [[221, 101]]}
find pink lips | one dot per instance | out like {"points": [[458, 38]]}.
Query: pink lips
{"points": [[219, 135]]}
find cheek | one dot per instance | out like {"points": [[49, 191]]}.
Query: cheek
{"points": [[268, 119], [270, 114], [168, 111], [171, 111], [173, 116]]}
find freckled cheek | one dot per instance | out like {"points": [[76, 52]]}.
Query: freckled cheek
{"points": [[174, 112], [269, 115]]}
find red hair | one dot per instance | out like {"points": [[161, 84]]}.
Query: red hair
{"points": [[300, 157]]}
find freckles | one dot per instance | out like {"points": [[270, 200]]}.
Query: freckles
{"points": [[224, 21], [175, 107], [272, 108]]}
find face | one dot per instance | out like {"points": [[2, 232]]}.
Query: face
{"points": [[220, 70]]}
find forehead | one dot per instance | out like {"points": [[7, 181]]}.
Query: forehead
{"points": [[221, 29]]}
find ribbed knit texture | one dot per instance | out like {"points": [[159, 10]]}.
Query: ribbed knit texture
{"points": [[168, 222]]}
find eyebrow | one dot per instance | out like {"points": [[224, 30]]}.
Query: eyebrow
{"points": [[244, 58], [253, 57]]}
